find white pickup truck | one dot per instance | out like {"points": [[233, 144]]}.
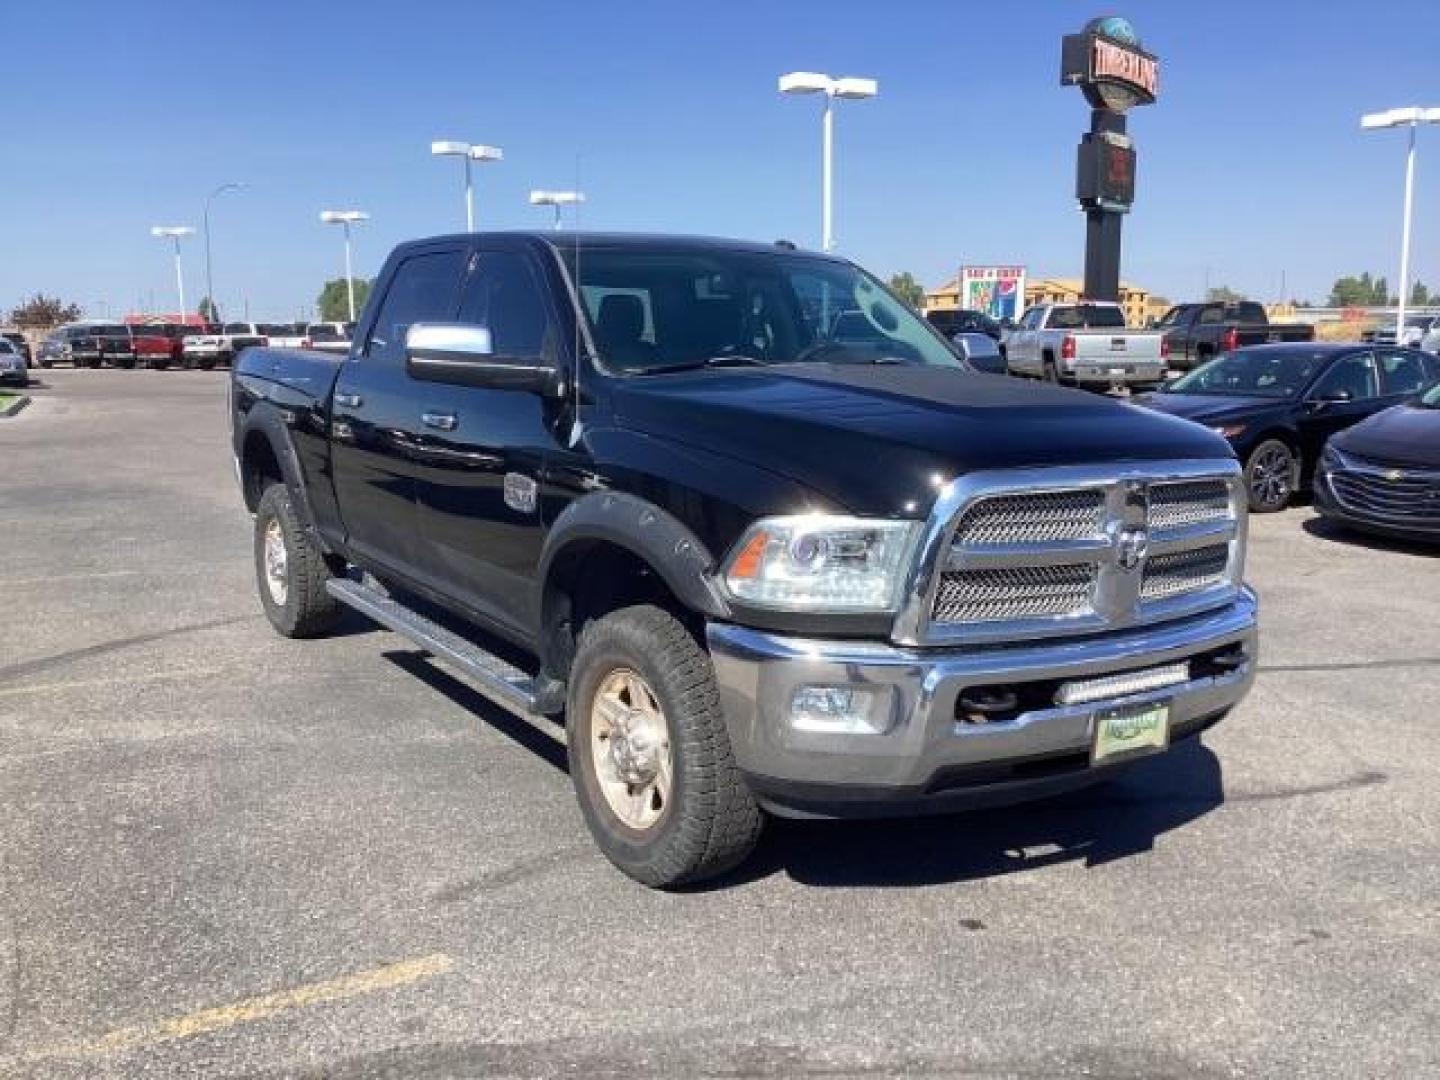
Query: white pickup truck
{"points": [[1085, 344]]}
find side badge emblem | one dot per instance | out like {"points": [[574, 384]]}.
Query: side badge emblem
{"points": [[521, 493]]}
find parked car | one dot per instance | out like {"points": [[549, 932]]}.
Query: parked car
{"points": [[55, 349], [755, 568], [86, 344], [220, 345], [1084, 344], [964, 321], [152, 347], [331, 337], [981, 351], [21, 343], [1417, 329], [1196, 333], [1383, 474], [285, 335], [13, 369], [1278, 404]]}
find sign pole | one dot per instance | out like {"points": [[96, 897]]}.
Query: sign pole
{"points": [[1116, 74]]}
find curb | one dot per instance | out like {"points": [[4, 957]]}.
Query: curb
{"points": [[14, 407]]}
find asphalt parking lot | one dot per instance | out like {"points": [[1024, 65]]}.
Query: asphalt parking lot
{"points": [[224, 853]]}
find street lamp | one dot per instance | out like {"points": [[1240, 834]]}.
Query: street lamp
{"points": [[811, 82], [557, 199], [234, 185], [1408, 118], [174, 233], [469, 152], [346, 218]]}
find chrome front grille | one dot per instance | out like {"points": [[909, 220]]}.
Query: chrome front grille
{"points": [[1030, 592], [1179, 572], [1039, 553], [1410, 496], [1033, 518], [1189, 502]]}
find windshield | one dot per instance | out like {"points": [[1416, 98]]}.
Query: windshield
{"points": [[1266, 372], [1086, 317], [654, 310], [1431, 398]]}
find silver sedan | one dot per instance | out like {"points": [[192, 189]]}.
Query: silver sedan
{"points": [[12, 364]]}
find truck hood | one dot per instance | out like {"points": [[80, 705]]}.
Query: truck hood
{"points": [[883, 439], [1404, 435]]}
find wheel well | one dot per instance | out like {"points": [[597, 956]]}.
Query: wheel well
{"points": [[259, 468], [589, 579]]}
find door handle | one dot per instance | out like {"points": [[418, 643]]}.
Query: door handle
{"points": [[349, 401], [443, 421]]}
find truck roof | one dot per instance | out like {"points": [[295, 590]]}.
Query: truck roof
{"points": [[569, 239]]}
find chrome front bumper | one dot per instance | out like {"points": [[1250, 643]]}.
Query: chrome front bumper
{"points": [[928, 752]]}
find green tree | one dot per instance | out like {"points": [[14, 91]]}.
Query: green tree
{"points": [[43, 311], [908, 289], [1223, 294], [1362, 291], [334, 302], [207, 310], [1420, 295]]}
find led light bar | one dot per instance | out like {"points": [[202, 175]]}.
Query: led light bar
{"points": [[1083, 691]]}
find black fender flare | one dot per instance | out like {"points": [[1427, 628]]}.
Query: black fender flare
{"points": [[647, 531], [271, 423]]}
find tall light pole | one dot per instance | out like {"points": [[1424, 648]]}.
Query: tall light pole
{"points": [[468, 152], [557, 199], [811, 82], [346, 218], [174, 233], [1408, 118], [234, 185]]}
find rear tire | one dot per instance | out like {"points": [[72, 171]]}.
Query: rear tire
{"points": [[1272, 474], [1051, 373], [650, 757], [206, 363], [290, 569]]}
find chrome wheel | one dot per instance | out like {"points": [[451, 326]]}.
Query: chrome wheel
{"points": [[630, 749], [276, 579], [1272, 476]]}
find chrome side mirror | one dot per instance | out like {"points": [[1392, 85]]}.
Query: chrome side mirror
{"points": [[464, 355]]}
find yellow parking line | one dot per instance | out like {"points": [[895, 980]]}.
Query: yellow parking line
{"points": [[257, 1008]]}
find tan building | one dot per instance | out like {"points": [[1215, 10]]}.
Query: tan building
{"points": [[1139, 305]]}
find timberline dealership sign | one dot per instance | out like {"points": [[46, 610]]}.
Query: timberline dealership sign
{"points": [[1106, 61]]}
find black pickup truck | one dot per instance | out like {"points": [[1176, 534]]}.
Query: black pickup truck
{"points": [[634, 486], [1196, 333]]}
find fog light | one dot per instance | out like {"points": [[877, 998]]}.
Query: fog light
{"points": [[841, 710]]}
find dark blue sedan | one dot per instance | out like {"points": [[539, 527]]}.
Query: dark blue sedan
{"points": [[1278, 404]]}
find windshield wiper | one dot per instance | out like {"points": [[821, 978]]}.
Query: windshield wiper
{"points": [[856, 354], [724, 360]]}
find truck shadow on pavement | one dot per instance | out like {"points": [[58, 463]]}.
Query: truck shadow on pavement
{"points": [[1114, 820]]}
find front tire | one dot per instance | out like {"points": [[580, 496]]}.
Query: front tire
{"points": [[650, 757], [1272, 474], [290, 569]]}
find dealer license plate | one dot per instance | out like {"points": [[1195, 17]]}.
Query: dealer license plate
{"points": [[1130, 731]]}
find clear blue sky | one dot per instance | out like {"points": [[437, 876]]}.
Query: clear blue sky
{"points": [[120, 117]]}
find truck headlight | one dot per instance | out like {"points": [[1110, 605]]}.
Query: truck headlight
{"points": [[822, 562]]}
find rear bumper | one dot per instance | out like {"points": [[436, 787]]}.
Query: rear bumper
{"points": [[929, 758], [1118, 372]]}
